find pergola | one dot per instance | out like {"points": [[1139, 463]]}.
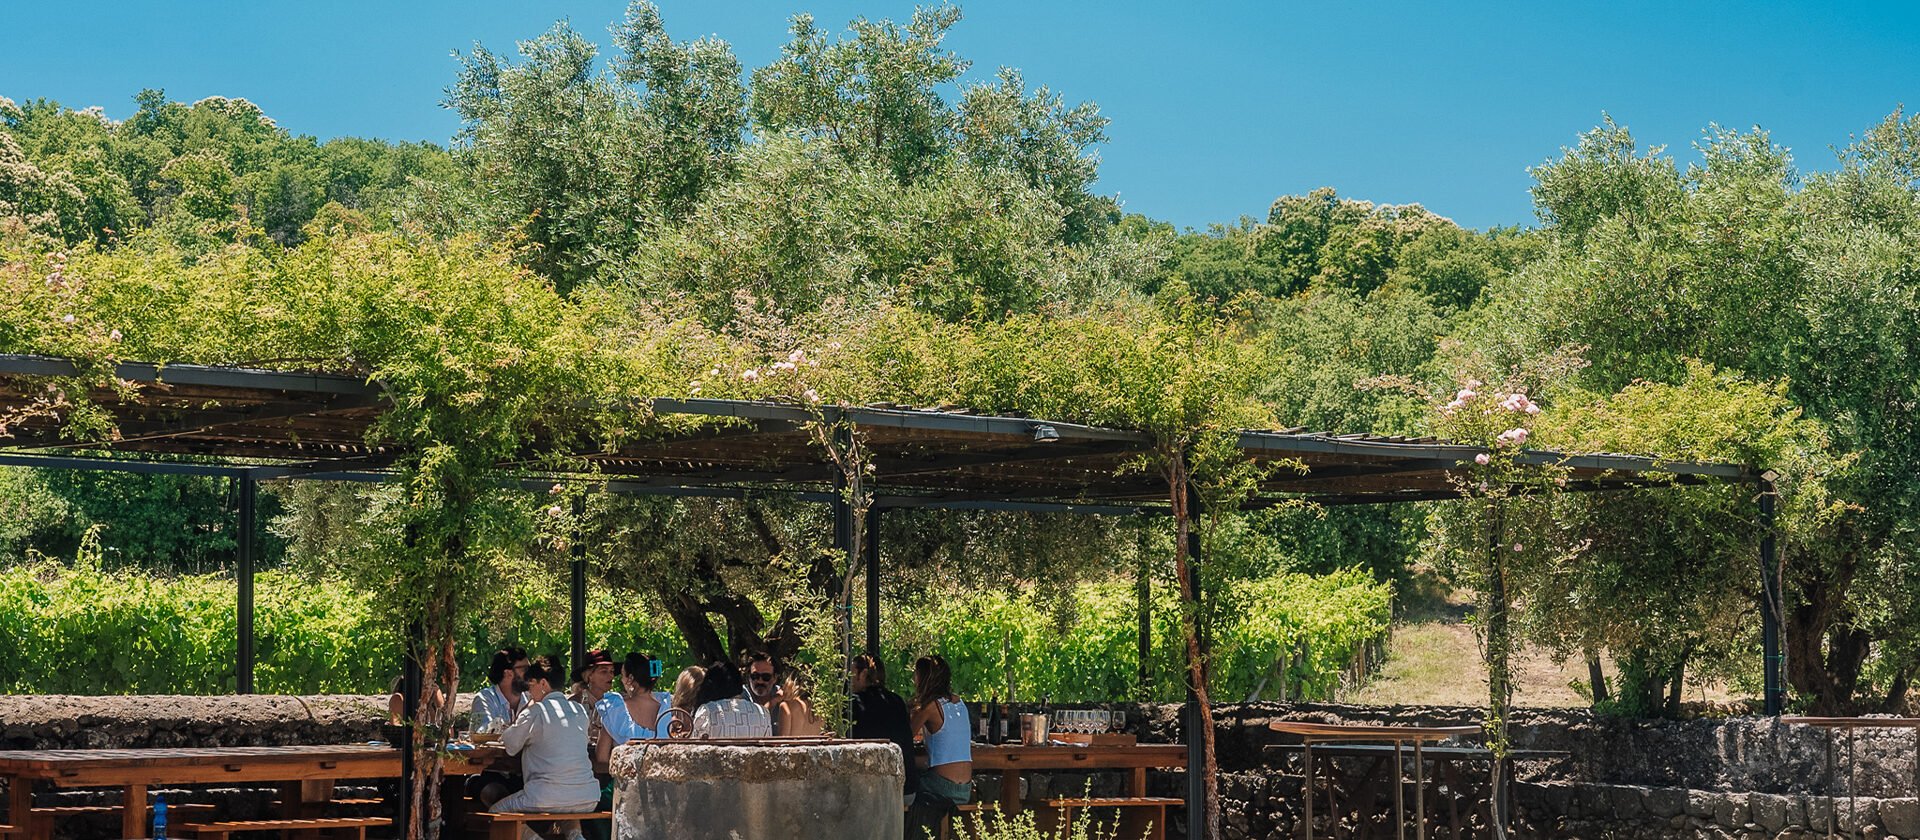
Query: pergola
{"points": [[251, 425]]}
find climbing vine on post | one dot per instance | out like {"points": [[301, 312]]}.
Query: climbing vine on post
{"points": [[1502, 522]]}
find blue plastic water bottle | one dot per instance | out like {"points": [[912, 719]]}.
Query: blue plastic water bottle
{"points": [[160, 818]]}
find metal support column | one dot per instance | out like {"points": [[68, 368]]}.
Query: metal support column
{"points": [[579, 585], [1196, 724], [412, 649], [1775, 692], [871, 548], [1143, 598], [243, 575]]}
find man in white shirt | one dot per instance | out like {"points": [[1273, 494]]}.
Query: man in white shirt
{"points": [[550, 736], [494, 709], [496, 706]]}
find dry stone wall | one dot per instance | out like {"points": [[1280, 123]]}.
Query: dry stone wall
{"points": [[1582, 776]]}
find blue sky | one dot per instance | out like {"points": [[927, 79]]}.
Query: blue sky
{"points": [[1217, 108]]}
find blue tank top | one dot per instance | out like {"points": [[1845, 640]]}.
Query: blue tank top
{"points": [[951, 744]]}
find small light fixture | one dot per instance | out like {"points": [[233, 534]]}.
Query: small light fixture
{"points": [[1043, 433]]}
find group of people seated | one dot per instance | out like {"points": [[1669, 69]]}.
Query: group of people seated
{"points": [[564, 730]]}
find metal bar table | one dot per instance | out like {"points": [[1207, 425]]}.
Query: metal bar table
{"points": [[1312, 732]]}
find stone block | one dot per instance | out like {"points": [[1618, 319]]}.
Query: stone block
{"points": [[1819, 812], [1901, 817], [1855, 815], [1666, 802], [1700, 803], [1629, 801], [1730, 811], [1769, 811], [701, 790]]}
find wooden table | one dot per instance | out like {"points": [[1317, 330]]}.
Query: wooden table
{"points": [[1311, 733], [1010, 760], [308, 773], [1849, 724]]}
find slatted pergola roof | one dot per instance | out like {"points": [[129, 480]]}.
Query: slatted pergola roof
{"points": [[281, 423]]}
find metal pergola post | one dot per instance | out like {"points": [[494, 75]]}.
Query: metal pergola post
{"points": [[247, 491], [577, 589], [870, 549], [1196, 722], [412, 648], [1774, 694], [1143, 595]]}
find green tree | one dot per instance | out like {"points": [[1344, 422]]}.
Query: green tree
{"points": [[1739, 263]]}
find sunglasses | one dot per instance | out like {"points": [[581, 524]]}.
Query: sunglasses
{"points": [[763, 678]]}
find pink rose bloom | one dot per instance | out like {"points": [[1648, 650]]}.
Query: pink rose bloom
{"points": [[1465, 394], [750, 375], [1482, 459], [1516, 547], [1533, 408]]}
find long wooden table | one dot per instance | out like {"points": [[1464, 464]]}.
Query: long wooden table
{"points": [[1010, 760], [308, 773]]}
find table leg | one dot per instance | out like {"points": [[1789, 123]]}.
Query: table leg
{"points": [[1009, 792], [1307, 824], [1851, 768], [20, 804], [1399, 792], [133, 812], [1419, 794], [1832, 801], [1137, 782]]}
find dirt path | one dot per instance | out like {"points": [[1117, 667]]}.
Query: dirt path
{"points": [[1438, 663]]}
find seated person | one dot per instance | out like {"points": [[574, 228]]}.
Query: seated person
{"points": [[494, 709], [550, 737], [637, 711], [940, 717], [794, 709], [880, 713], [397, 699], [678, 722], [496, 706], [724, 710]]}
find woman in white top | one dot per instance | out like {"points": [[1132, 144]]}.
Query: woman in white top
{"points": [[724, 711], [639, 711]]}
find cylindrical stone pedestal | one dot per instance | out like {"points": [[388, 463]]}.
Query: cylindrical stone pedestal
{"points": [[735, 790]]}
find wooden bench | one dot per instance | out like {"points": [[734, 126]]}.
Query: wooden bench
{"points": [[179, 815], [1138, 817], [355, 827], [505, 825]]}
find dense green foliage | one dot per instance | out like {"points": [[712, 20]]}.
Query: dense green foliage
{"points": [[84, 630]]}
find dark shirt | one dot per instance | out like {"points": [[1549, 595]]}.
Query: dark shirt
{"points": [[879, 713]]}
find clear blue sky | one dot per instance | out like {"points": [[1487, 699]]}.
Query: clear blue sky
{"points": [[1217, 107]]}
